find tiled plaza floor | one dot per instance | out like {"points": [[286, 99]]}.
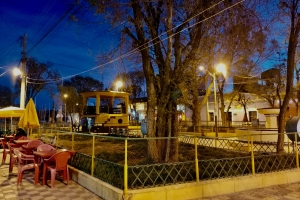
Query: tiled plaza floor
{"points": [[279, 192], [28, 191]]}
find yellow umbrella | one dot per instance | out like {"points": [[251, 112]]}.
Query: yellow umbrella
{"points": [[30, 118], [11, 112]]}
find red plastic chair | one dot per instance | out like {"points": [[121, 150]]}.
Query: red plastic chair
{"points": [[23, 164], [32, 145], [13, 156], [45, 147], [61, 164], [23, 138], [5, 150]]}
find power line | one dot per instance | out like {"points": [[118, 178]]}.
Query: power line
{"points": [[52, 26], [38, 18], [136, 50], [108, 31]]}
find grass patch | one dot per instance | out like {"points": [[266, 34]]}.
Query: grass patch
{"points": [[112, 149]]}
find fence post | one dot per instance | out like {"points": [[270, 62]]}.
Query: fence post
{"points": [[48, 135], [296, 151], [93, 156], [289, 151], [125, 172], [57, 139], [252, 156], [249, 148], [72, 141], [196, 160], [216, 142]]}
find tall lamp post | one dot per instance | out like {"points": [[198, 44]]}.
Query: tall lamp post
{"points": [[17, 72], [219, 68], [65, 96]]}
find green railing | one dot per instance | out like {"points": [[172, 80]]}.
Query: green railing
{"points": [[128, 163]]}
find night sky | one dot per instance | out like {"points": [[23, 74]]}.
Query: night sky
{"points": [[71, 45]]}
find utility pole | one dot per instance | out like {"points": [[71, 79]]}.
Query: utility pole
{"points": [[23, 70]]}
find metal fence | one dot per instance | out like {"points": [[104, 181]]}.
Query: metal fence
{"points": [[149, 162]]}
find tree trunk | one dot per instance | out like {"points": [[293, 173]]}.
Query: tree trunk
{"points": [[152, 149], [292, 46], [245, 114], [222, 107]]}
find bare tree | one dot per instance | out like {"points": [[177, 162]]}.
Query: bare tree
{"points": [[271, 85], [40, 76], [84, 84], [73, 101], [244, 101], [290, 10], [167, 37]]}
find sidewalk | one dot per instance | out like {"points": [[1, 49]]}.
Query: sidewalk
{"points": [[28, 191], [282, 192]]}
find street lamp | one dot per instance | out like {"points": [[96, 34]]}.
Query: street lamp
{"points": [[219, 68], [65, 96], [118, 85], [19, 72]]}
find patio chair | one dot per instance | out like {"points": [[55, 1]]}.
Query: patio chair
{"points": [[13, 156], [5, 150], [26, 162], [45, 147], [60, 164], [22, 138], [32, 145]]}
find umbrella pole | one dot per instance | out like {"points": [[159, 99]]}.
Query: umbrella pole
{"points": [[5, 124]]}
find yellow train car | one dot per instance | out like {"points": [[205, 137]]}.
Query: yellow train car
{"points": [[105, 111]]}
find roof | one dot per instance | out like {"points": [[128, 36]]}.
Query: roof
{"points": [[105, 94]]}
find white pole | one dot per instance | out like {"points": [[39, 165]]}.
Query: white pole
{"points": [[23, 70]]}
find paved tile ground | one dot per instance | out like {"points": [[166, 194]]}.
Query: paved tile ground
{"points": [[279, 192], [28, 191]]}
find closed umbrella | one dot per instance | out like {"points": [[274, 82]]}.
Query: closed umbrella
{"points": [[30, 118]]}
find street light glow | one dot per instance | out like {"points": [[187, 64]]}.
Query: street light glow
{"points": [[119, 84], [221, 68], [17, 72], [65, 96], [21, 72]]}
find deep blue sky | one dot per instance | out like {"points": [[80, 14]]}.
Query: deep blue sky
{"points": [[71, 46]]}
